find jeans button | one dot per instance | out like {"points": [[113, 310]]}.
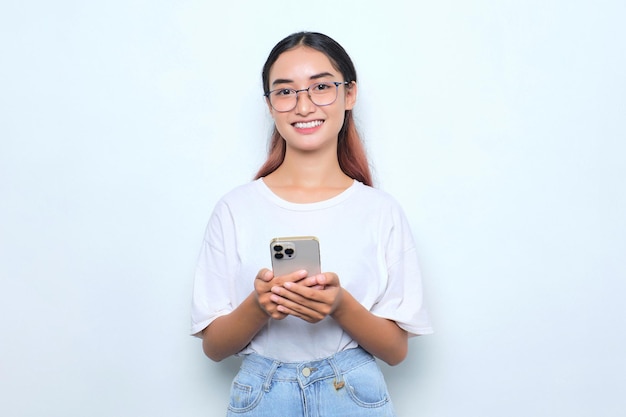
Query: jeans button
{"points": [[306, 372]]}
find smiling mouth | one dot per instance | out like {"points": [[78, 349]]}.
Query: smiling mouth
{"points": [[308, 125]]}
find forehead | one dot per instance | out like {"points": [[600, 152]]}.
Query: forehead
{"points": [[301, 63]]}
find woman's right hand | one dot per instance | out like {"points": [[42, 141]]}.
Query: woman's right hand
{"points": [[263, 284]]}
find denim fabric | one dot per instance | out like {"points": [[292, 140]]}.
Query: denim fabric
{"points": [[349, 383]]}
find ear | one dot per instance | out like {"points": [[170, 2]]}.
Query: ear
{"points": [[351, 92]]}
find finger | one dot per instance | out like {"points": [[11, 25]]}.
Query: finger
{"points": [[309, 281], [298, 295], [278, 315], [292, 277], [297, 310], [268, 306], [327, 278], [265, 275]]}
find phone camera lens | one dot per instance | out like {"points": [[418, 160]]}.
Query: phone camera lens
{"points": [[278, 255], [278, 248], [289, 251]]}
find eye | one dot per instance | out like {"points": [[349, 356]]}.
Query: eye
{"points": [[284, 92], [322, 87]]}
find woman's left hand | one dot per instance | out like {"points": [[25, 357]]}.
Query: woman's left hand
{"points": [[311, 299]]}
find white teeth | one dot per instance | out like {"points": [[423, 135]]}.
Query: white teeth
{"points": [[308, 125]]}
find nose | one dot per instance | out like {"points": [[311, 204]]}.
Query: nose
{"points": [[304, 105]]}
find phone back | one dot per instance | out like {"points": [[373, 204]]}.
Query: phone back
{"points": [[290, 254]]}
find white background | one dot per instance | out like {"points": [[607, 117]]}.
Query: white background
{"points": [[499, 125]]}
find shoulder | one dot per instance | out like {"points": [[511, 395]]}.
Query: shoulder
{"points": [[237, 199], [383, 208], [376, 196], [242, 191], [241, 194]]}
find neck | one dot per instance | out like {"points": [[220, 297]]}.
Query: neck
{"points": [[308, 177], [311, 169]]}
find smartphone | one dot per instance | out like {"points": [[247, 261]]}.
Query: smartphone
{"points": [[290, 254]]}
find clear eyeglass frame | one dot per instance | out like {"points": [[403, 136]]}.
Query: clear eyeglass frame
{"points": [[284, 99]]}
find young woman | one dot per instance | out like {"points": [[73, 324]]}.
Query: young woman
{"points": [[308, 341]]}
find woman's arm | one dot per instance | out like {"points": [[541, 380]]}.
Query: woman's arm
{"points": [[379, 336], [229, 334]]}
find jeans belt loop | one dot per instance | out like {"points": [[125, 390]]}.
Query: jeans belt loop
{"points": [[268, 380]]}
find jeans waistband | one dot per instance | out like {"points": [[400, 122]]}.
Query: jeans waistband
{"points": [[305, 372]]}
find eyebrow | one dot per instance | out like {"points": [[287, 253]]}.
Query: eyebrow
{"points": [[313, 77]]}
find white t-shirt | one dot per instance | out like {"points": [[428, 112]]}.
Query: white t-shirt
{"points": [[364, 238]]}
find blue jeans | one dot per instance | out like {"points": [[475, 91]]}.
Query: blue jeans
{"points": [[349, 383]]}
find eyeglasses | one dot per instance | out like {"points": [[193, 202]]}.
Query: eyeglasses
{"points": [[321, 94]]}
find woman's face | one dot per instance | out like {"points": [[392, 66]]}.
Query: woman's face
{"points": [[308, 126]]}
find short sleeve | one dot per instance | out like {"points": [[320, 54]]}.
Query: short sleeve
{"points": [[403, 299], [213, 291]]}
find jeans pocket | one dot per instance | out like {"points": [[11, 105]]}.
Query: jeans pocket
{"points": [[245, 392], [366, 385]]}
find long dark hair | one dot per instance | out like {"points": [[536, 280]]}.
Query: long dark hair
{"points": [[350, 150]]}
